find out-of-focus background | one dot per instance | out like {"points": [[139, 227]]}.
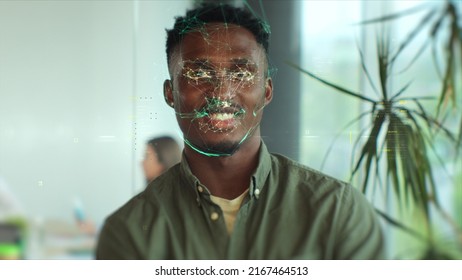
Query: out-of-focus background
{"points": [[81, 93]]}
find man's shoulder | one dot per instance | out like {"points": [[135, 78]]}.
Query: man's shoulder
{"points": [[310, 188], [129, 209], [147, 200], [284, 166], [307, 184]]}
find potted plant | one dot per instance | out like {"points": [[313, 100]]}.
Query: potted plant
{"points": [[399, 153]]}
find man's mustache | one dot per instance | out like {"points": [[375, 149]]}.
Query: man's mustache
{"points": [[213, 106]]}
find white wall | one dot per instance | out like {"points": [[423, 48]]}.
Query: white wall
{"points": [[77, 80]]}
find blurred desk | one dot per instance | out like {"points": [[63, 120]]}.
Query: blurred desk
{"points": [[56, 239]]}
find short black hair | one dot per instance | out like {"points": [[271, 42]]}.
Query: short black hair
{"points": [[210, 13]]}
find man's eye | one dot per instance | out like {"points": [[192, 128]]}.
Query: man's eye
{"points": [[198, 74], [243, 75]]}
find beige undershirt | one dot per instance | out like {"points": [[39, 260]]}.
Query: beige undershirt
{"points": [[229, 208]]}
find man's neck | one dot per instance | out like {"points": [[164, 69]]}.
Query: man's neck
{"points": [[228, 176]]}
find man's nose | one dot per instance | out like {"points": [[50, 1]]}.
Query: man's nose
{"points": [[222, 86]]}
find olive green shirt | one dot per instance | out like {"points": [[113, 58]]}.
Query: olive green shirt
{"points": [[290, 212]]}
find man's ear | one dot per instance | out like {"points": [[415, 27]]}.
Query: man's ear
{"points": [[168, 93], [268, 91]]}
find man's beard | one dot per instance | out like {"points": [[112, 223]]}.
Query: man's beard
{"points": [[224, 148]]}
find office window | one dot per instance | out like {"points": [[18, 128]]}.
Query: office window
{"points": [[330, 43]]}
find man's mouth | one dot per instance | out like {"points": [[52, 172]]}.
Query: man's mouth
{"points": [[221, 121], [221, 118]]}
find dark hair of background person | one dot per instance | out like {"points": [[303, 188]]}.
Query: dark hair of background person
{"points": [[167, 150], [209, 13]]}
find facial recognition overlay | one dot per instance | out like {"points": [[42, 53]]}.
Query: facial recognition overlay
{"points": [[219, 82]]}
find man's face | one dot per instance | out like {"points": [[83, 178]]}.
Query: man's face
{"points": [[219, 87]]}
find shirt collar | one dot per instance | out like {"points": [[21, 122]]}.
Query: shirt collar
{"points": [[257, 183]]}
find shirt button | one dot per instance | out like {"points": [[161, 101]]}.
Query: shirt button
{"points": [[214, 216], [257, 192], [200, 189]]}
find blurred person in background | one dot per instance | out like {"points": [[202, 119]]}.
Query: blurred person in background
{"points": [[161, 154]]}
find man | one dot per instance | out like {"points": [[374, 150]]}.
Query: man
{"points": [[229, 198]]}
